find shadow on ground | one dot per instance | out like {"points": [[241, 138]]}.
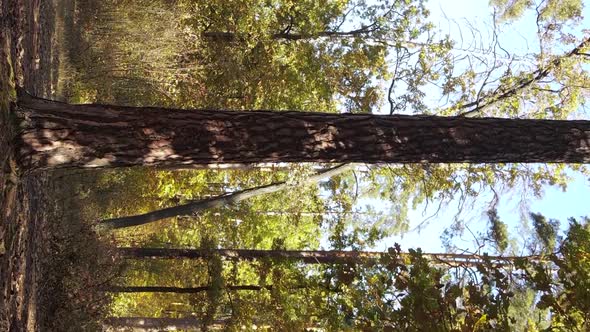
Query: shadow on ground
{"points": [[27, 58]]}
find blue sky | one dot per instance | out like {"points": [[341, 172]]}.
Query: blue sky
{"points": [[451, 15]]}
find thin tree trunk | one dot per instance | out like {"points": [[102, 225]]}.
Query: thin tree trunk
{"points": [[312, 213], [305, 256], [177, 290], [209, 203], [58, 135], [159, 324], [230, 36], [196, 290], [311, 256]]}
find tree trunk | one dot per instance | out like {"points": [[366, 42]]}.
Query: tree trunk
{"points": [[209, 203], [159, 324], [312, 256], [230, 36], [58, 135], [196, 290], [305, 256], [177, 290]]}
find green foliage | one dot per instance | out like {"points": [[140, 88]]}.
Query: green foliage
{"points": [[565, 293], [243, 55], [330, 56], [552, 10], [216, 282], [245, 225], [408, 293], [546, 232], [498, 231], [523, 308], [302, 55], [308, 60]]}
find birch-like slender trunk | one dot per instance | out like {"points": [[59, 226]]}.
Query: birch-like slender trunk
{"points": [[210, 203]]}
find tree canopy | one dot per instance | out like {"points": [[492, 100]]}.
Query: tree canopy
{"points": [[352, 59]]}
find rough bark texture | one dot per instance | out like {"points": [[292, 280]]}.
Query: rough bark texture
{"points": [[57, 135], [210, 203]]}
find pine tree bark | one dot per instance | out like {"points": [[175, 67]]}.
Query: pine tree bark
{"points": [[58, 135]]}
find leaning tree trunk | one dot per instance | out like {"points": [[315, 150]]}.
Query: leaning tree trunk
{"points": [[315, 256], [58, 135], [213, 202]]}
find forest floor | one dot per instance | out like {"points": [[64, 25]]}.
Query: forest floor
{"points": [[28, 58]]}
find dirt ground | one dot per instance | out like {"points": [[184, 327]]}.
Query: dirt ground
{"points": [[28, 58]]}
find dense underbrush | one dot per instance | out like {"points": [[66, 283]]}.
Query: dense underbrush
{"points": [[78, 262]]}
